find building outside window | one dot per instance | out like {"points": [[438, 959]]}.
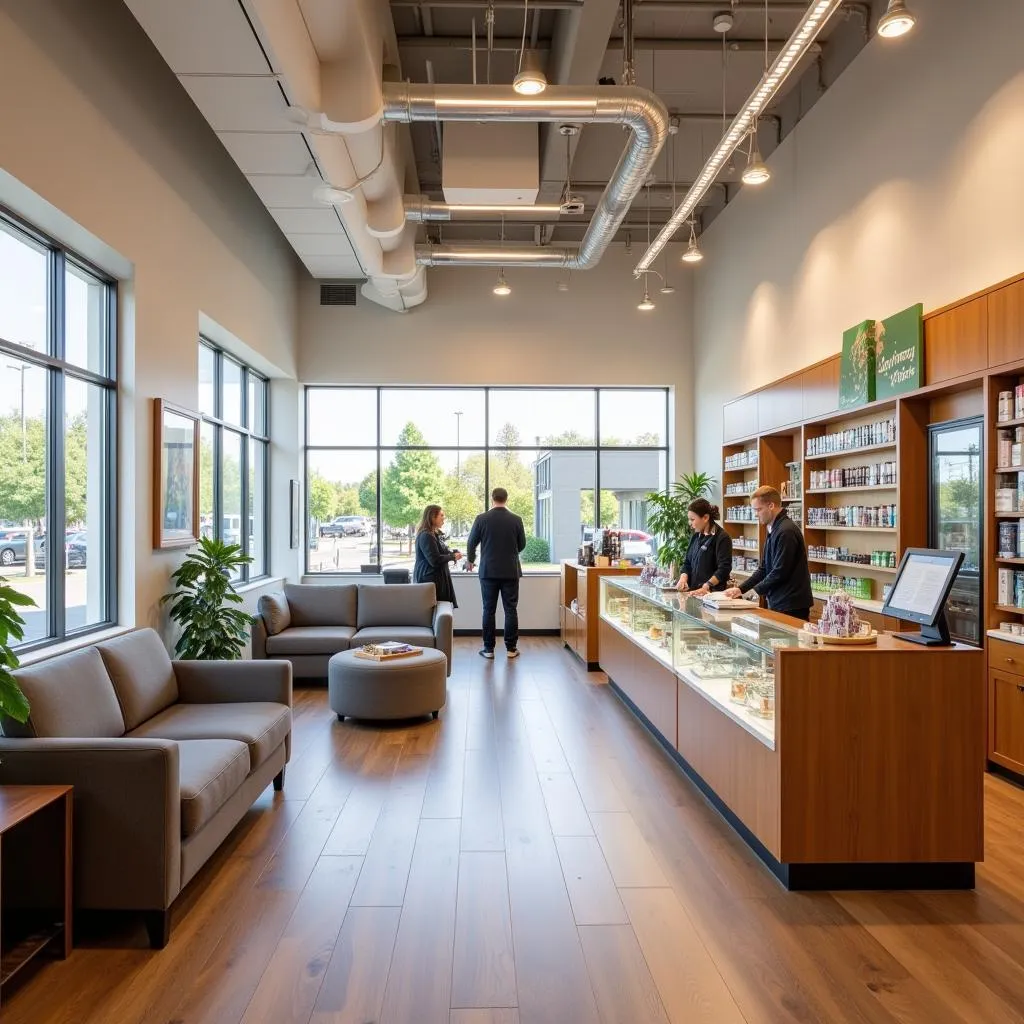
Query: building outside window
{"points": [[376, 456], [58, 392], [234, 449]]}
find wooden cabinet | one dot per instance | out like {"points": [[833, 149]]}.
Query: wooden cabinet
{"points": [[1006, 720], [1006, 324], [956, 341]]}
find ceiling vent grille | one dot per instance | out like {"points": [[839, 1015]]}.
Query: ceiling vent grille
{"points": [[337, 295]]}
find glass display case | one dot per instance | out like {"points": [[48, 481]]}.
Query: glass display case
{"points": [[727, 656]]}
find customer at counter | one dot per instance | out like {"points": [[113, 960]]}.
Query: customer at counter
{"points": [[709, 555], [783, 577]]}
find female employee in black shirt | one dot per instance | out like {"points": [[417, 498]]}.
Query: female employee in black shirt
{"points": [[709, 556]]}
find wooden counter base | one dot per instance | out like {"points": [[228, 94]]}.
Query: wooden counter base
{"points": [[817, 877]]}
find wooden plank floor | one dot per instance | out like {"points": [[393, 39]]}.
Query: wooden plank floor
{"points": [[531, 858]]}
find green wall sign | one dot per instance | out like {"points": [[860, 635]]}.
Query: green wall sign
{"points": [[857, 366], [899, 353]]}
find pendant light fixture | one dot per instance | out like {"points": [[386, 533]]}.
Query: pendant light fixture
{"points": [[530, 79], [897, 20], [670, 159], [645, 305], [756, 172], [502, 288], [693, 253]]}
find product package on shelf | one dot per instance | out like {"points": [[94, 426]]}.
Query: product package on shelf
{"points": [[1004, 587], [1007, 544], [866, 436]]}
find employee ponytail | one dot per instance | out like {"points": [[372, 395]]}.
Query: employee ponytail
{"points": [[703, 507]]}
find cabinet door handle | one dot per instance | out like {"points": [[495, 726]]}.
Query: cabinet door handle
{"points": [[1010, 661], [1020, 687]]}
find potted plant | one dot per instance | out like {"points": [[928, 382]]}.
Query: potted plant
{"points": [[211, 629], [666, 516], [13, 703]]}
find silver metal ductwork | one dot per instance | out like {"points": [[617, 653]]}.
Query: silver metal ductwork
{"points": [[637, 109]]}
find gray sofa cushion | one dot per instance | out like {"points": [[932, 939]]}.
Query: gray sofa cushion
{"points": [[420, 636], [406, 604], [209, 772], [310, 640], [70, 695], [311, 605], [276, 614], [263, 726], [142, 675]]}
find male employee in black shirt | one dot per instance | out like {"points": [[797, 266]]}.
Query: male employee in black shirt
{"points": [[783, 577]]}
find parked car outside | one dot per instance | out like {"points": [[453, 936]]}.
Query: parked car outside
{"points": [[13, 548], [345, 526]]}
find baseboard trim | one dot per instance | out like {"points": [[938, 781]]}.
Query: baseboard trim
{"points": [[522, 632]]}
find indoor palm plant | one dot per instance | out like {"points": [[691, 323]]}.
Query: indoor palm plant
{"points": [[13, 702], [211, 629], [666, 515]]}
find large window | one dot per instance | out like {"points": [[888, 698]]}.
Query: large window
{"points": [[57, 403], [376, 456], [234, 446]]}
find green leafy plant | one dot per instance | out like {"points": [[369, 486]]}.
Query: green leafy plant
{"points": [[211, 629], [13, 702], [536, 550], [666, 515]]}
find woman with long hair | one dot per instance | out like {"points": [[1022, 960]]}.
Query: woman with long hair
{"points": [[433, 556], [709, 555]]}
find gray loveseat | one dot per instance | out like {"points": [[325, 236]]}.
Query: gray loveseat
{"points": [[165, 759], [307, 623]]}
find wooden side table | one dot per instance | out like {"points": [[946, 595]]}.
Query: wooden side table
{"points": [[35, 876]]}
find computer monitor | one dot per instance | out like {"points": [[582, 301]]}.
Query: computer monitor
{"points": [[923, 582]]}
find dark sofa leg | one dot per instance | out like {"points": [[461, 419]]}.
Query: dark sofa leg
{"points": [[158, 924], [279, 781]]}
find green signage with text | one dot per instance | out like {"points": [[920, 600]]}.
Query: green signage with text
{"points": [[857, 366], [899, 351]]}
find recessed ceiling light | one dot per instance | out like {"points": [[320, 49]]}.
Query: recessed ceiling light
{"points": [[897, 20], [331, 196]]}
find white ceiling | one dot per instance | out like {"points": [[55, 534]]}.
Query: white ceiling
{"points": [[211, 47]]}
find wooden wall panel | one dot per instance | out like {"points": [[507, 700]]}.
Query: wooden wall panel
{"points": [[819, 390], [1006, 324], [957, 405], [740, 418], [956, 341]]}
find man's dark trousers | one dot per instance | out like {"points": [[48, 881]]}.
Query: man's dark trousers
{"points": [[509, 590]]}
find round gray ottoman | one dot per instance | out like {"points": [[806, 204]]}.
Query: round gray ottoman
{"points": [[398, 688]]}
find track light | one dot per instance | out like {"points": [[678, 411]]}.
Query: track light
{"points": [[897, 20], [502, 288], [756, 172]]}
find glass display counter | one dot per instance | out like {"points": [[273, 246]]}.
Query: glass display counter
{"points": [[727, 656]]}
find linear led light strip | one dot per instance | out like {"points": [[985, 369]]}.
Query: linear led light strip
{"points": [[799, 43]]}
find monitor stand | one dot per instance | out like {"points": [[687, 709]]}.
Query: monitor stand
{"points": [[935, 635]]}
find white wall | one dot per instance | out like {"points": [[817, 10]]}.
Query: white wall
{"points": [[103, 148], [465, 335], [902, 185]]}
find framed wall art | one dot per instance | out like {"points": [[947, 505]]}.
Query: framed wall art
{"points": [[175, 476]]}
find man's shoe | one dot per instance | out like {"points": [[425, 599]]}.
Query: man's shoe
{"points": [[514, 653], [486, 654]]}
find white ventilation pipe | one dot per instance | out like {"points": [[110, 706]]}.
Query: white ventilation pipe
{"points": [[638, 109]]}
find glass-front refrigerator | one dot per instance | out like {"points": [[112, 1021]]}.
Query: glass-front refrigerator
{"points": [[957, 523]]}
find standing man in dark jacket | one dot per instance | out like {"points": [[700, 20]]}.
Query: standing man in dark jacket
{"points": [[783, 577], [500, 536]]}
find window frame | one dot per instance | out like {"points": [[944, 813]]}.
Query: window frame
{"points": [[249, 573], [58, 371], [487, 448]]}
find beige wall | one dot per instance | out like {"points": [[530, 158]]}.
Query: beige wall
{"points": [[464, 334], [95, 124], [902, 185]]}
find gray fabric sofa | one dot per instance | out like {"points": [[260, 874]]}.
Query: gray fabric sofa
{"points": [[308, 623], [165, 759]]}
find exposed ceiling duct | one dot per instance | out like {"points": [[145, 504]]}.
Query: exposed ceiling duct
{"points": [[639, 110]]}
